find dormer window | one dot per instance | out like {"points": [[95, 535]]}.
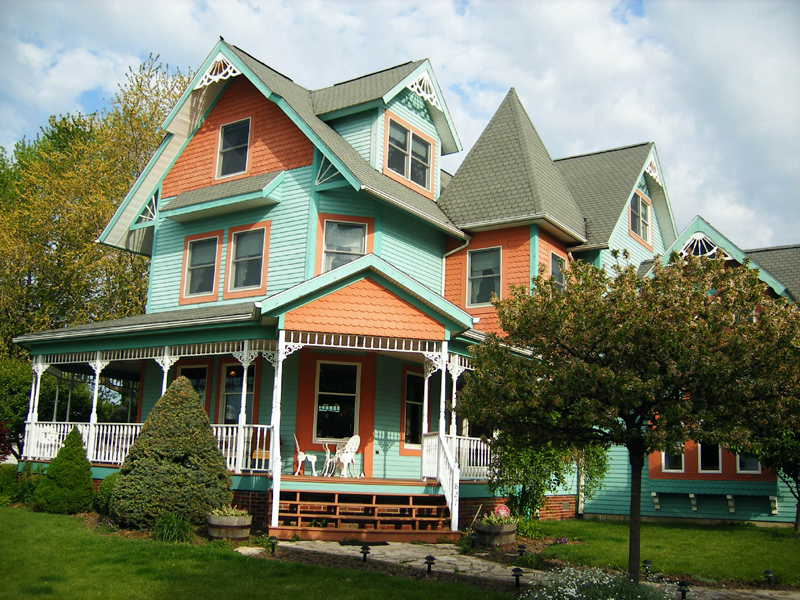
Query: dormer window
{"points": [[233, 143], [409, 155], [640, 217]]}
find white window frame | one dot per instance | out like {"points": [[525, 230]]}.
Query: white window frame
{"points": [[664, 468], [412, 445], [238, 394], [188, 275], [320, 440], [218, 171], [554, 255], [232, 258], [205, 396], [352, 223], [408, 153], [738, 470], [470, 279], [643, 200], [700, 468]]}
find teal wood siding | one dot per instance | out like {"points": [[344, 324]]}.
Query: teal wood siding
{"points": [[265, 393], [151, 388], [357, 130], [412, 109], [614, 497], [287, 244], [621, 240], [347, 202], [414, 247], [388, 389], [291, 376]]}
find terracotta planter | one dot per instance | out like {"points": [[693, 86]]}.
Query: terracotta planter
{"points": [[495, 535], [229, 528]]}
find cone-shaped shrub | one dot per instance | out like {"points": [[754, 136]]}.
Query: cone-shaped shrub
{"points": [[174, 466], [66, 487]]}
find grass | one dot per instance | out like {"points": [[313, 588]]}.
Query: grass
{"points": [[53, 556], [705, 553]]}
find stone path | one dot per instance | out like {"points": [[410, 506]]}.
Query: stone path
{"points": [[449, 560]]}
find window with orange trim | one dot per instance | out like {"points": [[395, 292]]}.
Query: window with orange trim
{"points": [[231, 399], [342, 239], [246, 274], [201, 256], [641, 210], [409, 155]]}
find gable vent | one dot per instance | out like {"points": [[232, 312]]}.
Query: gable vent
{"points": [[220, 69], [700, 245], [423, 88]]}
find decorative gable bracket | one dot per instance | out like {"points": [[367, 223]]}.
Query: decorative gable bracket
{"points": [[652, 170], [221, 68], [423, 87], [699, 244]]}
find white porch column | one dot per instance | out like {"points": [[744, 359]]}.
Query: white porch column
{"points": [[433, 363], [443, 392], [38, 368], [455, 371], [166, 361], [245, 357], [69, 396], [97, 365], [55, 403], [276, 358]]}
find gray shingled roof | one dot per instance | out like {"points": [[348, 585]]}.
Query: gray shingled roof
{"points": [[783, 263], [509, 175], [372, 181], [601, 183], [362, 89], [229, 189], [242, 311]]}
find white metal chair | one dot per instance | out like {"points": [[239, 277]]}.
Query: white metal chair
{"points": [[302, 457], [331, 460], [348, 457]]}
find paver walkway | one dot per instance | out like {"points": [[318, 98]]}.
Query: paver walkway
{"points": [[449, 560]]}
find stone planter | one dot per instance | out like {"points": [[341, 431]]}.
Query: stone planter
{"points": [[229, 528], [495, 535]]}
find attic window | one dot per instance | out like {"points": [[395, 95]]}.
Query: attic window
{"points": [[233, 144], [408, 154], [640, 217], [344, 243], [557, 267]]}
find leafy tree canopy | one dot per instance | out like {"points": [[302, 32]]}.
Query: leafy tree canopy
{"points": [[643, 363]]}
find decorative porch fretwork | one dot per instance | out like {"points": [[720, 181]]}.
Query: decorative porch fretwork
{"points": [[362, 342], [700, 245], [220, 69], [423, 87], [433, 362]]}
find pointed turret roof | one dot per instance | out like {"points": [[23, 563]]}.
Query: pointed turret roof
{"points": [[509, 176]]}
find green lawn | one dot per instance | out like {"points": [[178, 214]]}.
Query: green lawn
{"points": [[52, 556], [702, 552]]}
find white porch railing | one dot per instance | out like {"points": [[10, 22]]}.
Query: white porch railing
{"points": [[113, 441], [472, 455], [438, 462]]}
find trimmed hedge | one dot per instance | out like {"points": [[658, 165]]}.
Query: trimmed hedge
{"points": [[66, 487], [174, 466]]}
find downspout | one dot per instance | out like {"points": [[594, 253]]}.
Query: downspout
{"points": [[444, 260]]}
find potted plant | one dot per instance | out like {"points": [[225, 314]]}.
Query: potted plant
{"points": [[496, 529], [229, 522]]}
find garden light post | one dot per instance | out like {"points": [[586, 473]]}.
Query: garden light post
{"points": [[683, 588], [429, 560], [517, 573], [647, 565], [521, 550], [273, 541], [365, 551], [769, 576]]}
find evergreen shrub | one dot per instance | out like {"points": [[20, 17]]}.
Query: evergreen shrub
{"points": [[27, 482], [66, 487], [174, 466], [103, 496]]}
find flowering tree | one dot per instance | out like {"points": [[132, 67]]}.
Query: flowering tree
{"points": [[642, 363]]}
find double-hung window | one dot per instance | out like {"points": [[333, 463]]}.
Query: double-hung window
{"points": [[557, 266], [232, 393], [672, 463], [233, 143], [710, 458], [640, 217], [247, 260], [415, 386], [201, 267], [344, 242], [483, 276], [409, 154], [336, 401]]}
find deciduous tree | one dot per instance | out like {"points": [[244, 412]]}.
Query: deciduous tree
{"points": [[642, 363]]}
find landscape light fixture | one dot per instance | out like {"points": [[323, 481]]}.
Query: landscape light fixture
{"points": [[429, 560], [683, 588], [517, 573], [647, 565], [769, 576], [521, 549], [273, 541], [365, 551]]}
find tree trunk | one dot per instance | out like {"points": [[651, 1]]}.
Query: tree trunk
{"points": [[636, 460], [796, 532]]}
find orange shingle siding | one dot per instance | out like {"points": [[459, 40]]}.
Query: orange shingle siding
{"points": [[365, 308], [514, 260], [275, 142], [549, 244]]}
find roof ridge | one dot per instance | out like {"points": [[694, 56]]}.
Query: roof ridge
{"points": [[768, 248], [261, 62], [532, 181], [603, 151], [370, 74]]}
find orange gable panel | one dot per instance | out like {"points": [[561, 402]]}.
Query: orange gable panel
{"points": [[364, 308]]}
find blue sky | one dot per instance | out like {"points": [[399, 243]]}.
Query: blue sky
{"points": [[716, 85]]}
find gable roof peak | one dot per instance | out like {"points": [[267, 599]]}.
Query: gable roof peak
{"points": [[607, 151]]}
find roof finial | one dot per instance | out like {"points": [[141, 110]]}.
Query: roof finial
{"points": [[221, 39]]}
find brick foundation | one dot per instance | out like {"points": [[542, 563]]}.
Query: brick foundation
{"points": [[555, 508], [256, 503]]}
